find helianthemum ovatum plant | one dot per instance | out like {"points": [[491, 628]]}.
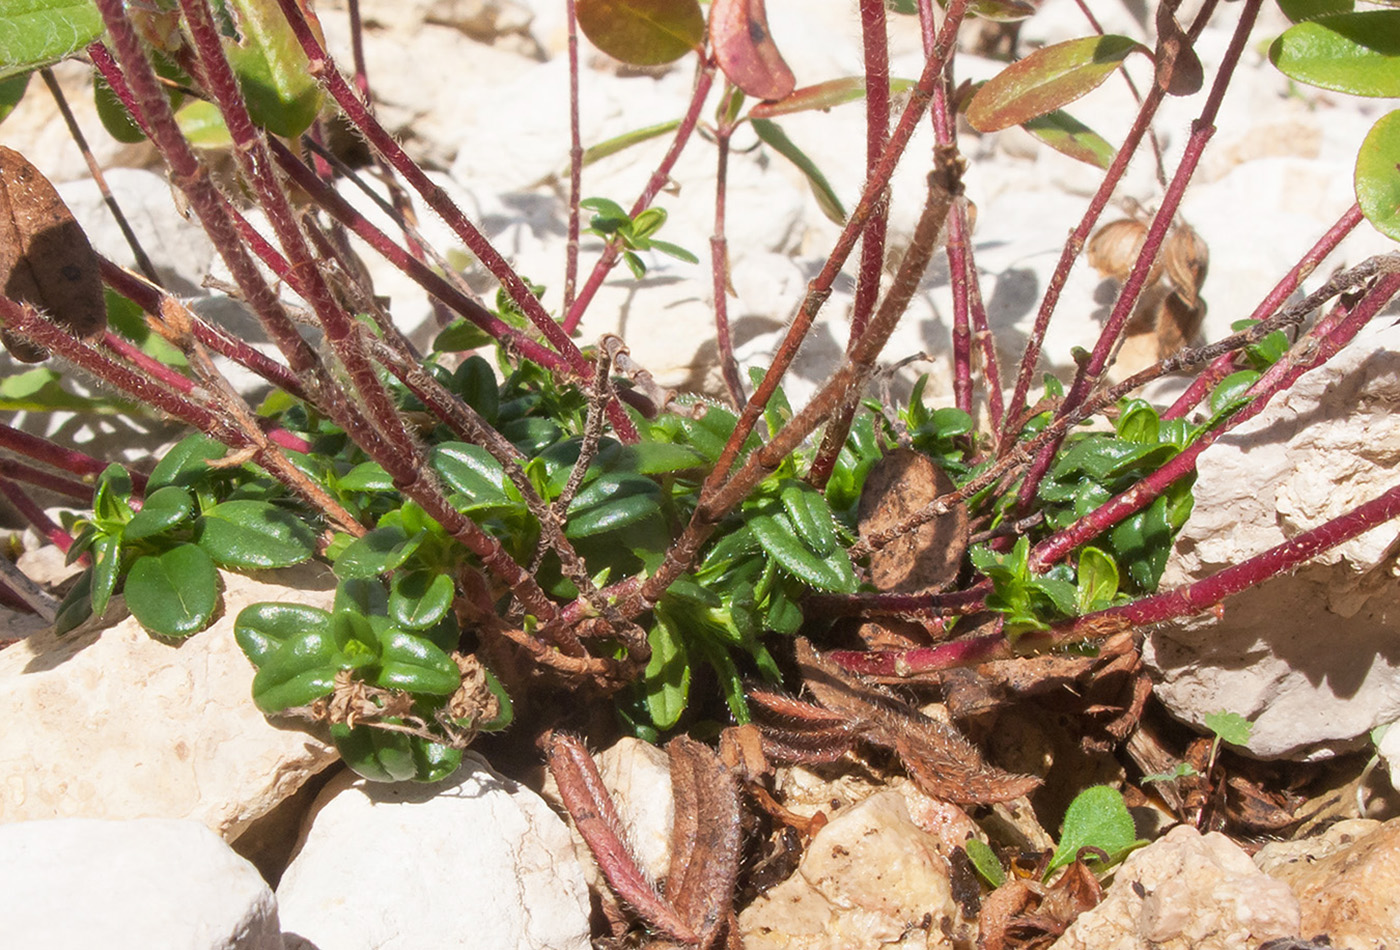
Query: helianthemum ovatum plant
{"points": [[518, 511]]}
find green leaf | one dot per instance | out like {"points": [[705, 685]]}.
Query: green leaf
{"points": [[42, 390], [1356, 53], [626, 140], [106, 558], [674, 250], [173, 594], [164, 509], [612, 501], [1230, 727], [376, 754], [186, 463], [1182, 770], [1098, 580], [1046, 80], [261, 629], [11, 92], [460, 335], [109, 499], [779, 539], [667, 679], [273, 72], [642, 32], [364, 596], [367, 476], [773, 135], [1377, 177], [203, 126], [419, 599], [415, 664], [985, 861], [76, 607], [1097, 818], [378, 551], [37, 33], [810, 516], [471, 470], [299, 672], [1068, 136], [1299, 10], [255, 535], [656, 458]]}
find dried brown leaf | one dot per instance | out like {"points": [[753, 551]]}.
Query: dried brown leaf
{"points": [[943, 763], [1185, 258], [1179, 71], [705, 839], [929, 557], [45, 258], [1115, 247]]}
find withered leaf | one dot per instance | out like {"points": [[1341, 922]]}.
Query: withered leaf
{"points": [[939, 760], [705, 838], [1186, 257], [927, 558], [1179, 71], [746, 52], [45, 258]]}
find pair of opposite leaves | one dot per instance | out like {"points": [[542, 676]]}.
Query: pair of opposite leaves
{"points": [[45, 258]]}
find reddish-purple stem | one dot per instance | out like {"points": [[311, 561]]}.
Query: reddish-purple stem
{"points": [[31, 512], [1330, 338], [575, 163], [820, 288], [80, 491], [1201, 131], [719, 269], [703, 81], [1202, 385], [60, 457], [875, 46]]}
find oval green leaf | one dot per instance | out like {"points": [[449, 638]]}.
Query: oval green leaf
{"points": [[642, 32], [415, 664], [261, 629], [173, 594], [419, 599], [255, 535], [779, 539], [300, 672], [375, 754], [281, 93], [1046, 80], [1097, 818], [1356, 53], [164, 509], [1378, 176], [1068, 136]]}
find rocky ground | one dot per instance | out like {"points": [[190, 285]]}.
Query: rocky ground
{"points": [[168, 774]]}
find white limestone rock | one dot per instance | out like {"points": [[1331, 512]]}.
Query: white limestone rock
{"points": [[870, 879], [78, 883], [1186, 891], [474, 861], [1308, 657], [111, 723]]}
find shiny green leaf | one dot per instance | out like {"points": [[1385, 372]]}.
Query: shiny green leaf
{"points": [[299, 672], [255, 535], [261, 629], [1068, 136], [173, 594], [273, 72], [419, 599], [37, 33], [1378, 175], [164, 509], [415, 664], [1356, 53], [667, 678]]}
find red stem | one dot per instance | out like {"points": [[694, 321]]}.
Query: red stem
{"points": [[575, 163], [1202, 385], [32, 513], [703, 81], [875, 45], [1201, 131], [719, 268]]}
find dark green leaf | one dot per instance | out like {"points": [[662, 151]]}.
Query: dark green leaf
{"points": [[186, 463], [378, 551], [361, 595], [262, 629], [76, 607], [173, 594], [667, 678], [779, 539], [415, 664], [274, 74], [471, 470], [984, 859], [1068, 136], [376, 754], [109, 498], [255, 535], [419, 599], [810, 516], [164, 509], [11, 92], [1299, 10], [299, 672], [106, 558], [1098, 580], [367, 476]]}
